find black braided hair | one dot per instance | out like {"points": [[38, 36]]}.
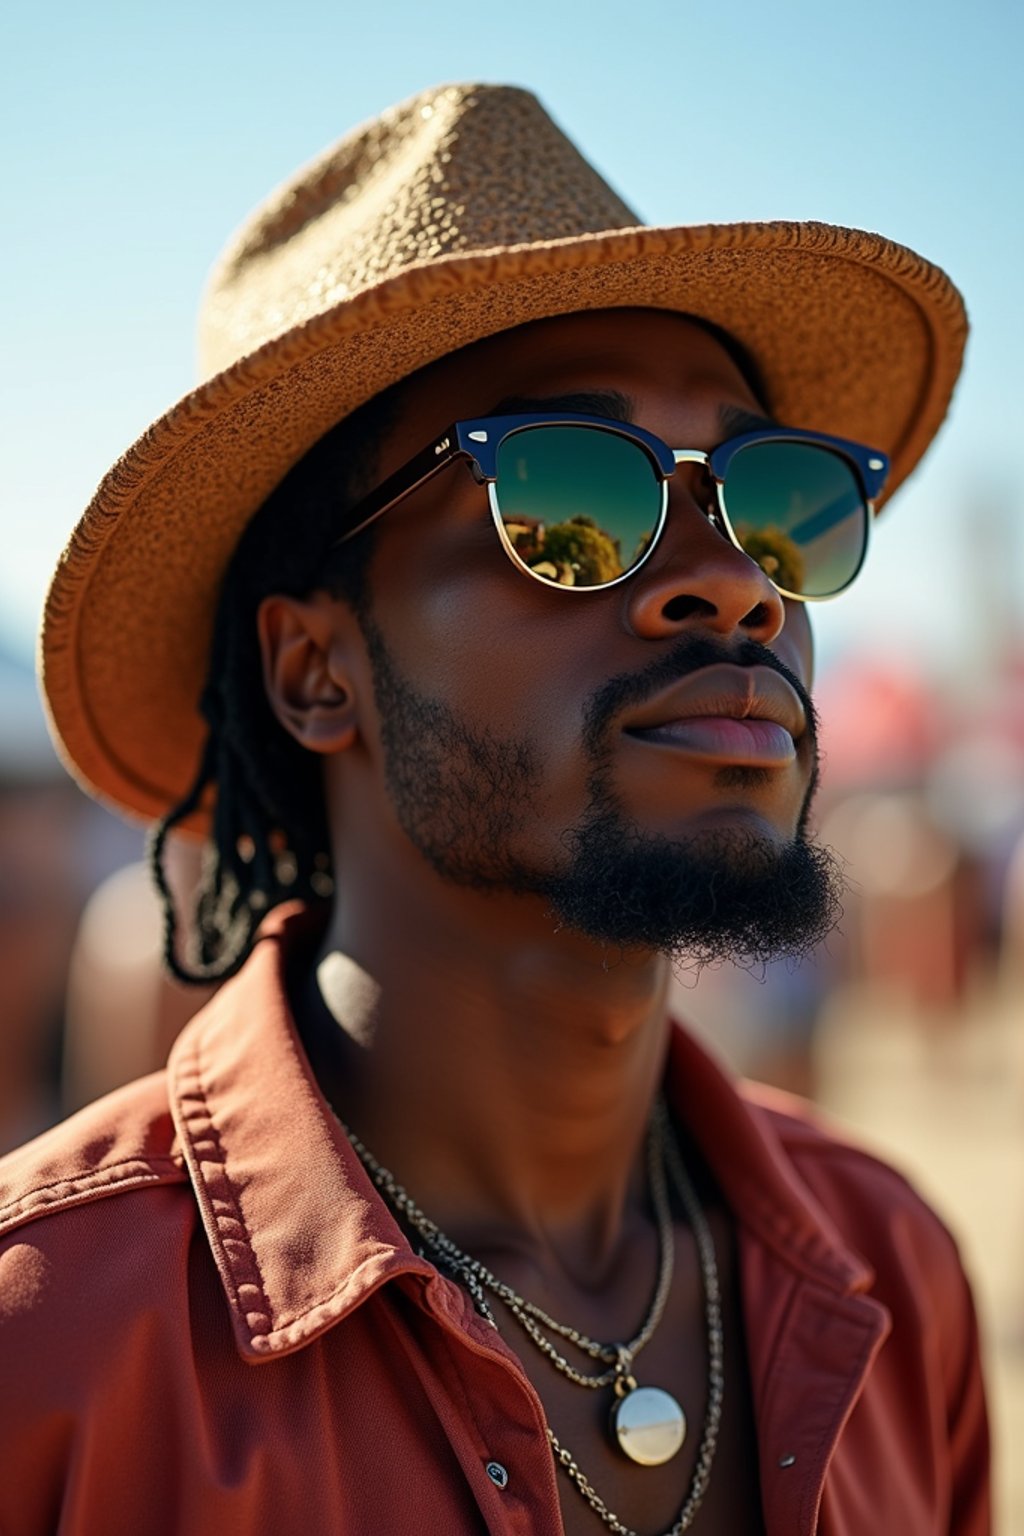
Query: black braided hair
{"points": [[269, 838]]}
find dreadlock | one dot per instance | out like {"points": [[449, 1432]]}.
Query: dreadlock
{"points": [[269, 839]]}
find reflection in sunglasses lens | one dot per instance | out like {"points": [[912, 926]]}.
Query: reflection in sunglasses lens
{"points": [[578, 504], [799, 511]]}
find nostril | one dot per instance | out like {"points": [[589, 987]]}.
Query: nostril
{"points": [[758, 617], [685, 606]]}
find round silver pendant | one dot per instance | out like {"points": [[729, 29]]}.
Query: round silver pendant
{"points": [[649, 1425]]}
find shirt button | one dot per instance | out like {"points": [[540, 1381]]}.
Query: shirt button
{"points": [[497, 1474]]}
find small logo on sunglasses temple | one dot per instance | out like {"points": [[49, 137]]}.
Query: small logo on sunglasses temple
{"points": [[442, 445]]}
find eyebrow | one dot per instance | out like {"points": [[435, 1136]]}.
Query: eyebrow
{"points": [[594, 402], [615, 406], [734, 419]]}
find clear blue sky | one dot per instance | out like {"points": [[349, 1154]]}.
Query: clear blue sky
{"points": [[137, 137]]}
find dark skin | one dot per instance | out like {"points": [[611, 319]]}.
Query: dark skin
{"points": [[503, 1070]]}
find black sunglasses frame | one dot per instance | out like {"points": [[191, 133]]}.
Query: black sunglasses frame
{"points": [[477, 443]]}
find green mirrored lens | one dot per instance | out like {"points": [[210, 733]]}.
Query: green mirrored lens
{"points": [[578, 504], [799, 511]]}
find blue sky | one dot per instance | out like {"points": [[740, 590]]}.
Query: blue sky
{"points": [[136, 138]]}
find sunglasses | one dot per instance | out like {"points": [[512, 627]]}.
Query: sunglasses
{"points": [[580, 502]]}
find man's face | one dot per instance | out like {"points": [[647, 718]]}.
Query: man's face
{"points": [[526, 738]]}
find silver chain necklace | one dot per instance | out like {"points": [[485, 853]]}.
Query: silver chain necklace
{"points": [[647, 1423]]}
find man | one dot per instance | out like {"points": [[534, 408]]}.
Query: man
{"points": [[435, 1218]]}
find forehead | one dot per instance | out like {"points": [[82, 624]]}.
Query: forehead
{"points": [[674, 371], [637, 351]]}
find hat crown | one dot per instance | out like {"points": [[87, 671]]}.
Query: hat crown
{"points": [[453, 170]]}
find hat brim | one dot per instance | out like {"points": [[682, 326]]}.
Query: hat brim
{"points": [[852, 334]]}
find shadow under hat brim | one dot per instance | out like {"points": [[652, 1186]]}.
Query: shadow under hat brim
{"points": [[852, 334]]}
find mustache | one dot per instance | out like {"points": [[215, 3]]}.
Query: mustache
{"points": [[689, 654]]}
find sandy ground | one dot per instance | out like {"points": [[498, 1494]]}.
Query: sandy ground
{"points": [[945, 1103]]}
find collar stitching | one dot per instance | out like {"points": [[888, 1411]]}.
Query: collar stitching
{"points": [[281, 1325], [238, 1253], [132, 1173], [240, 1266]]}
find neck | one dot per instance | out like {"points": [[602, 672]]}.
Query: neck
{"points": [[504, 1073]]}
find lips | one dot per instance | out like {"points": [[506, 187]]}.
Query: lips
{"points": [[726, 713]]}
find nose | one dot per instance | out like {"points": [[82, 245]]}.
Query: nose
{"points": [[697, 578]]}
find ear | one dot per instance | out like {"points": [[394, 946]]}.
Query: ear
{"points": [[307, 647]]}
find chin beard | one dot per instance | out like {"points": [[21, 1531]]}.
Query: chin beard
{"points": [[462, 797], [722, 894]]}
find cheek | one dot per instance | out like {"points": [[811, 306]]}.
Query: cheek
{"points": [[514, 661], [795, 643], [465, 627]]}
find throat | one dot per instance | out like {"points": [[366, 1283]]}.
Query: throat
{"points": [[511, 1119]]}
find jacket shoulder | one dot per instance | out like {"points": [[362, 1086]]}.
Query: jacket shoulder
{"points": [[876, 1207], [809, 1135], [820, 1148], [125, 1140]]}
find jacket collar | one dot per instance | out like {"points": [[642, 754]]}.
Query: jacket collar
{"points": [[739, 1131], [300, 1236]]}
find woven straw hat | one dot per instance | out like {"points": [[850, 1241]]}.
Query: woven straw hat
{"points": [[457, 214]]}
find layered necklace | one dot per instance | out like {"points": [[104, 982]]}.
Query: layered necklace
{"points": [[646, 1423]]}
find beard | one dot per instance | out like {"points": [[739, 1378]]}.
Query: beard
{"points": [[463, 796]]}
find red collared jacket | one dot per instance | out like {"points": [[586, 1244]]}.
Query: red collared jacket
{"points": [[211, 1326]]}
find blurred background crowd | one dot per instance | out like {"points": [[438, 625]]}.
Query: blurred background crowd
{"points": [[136, 138]]}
